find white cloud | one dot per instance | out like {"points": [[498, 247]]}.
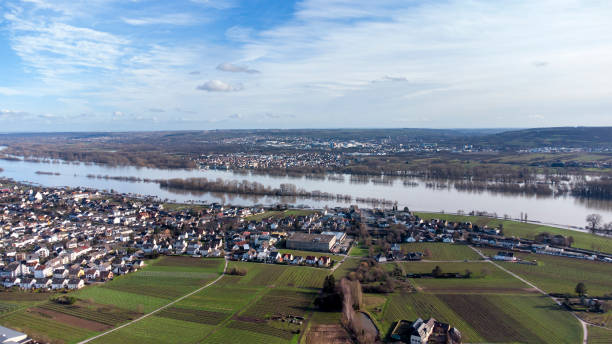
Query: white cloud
{"points": [[228, 67], [7, 91], [217, 4], [239, 33], [219, 86], [168, 19]]}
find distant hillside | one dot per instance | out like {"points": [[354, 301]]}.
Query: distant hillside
{"points": [[596, 137]]}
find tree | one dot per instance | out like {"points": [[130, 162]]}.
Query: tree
{"points": [[329, 285], [437, 271], [581, 289], [593, 220]]}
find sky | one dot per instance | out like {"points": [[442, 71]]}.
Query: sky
{"points": [[117, 65]]}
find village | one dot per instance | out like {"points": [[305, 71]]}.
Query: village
{"points": [[55, 238]]}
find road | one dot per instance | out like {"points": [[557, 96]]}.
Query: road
{"points": [[159, 309], [585, 331]]}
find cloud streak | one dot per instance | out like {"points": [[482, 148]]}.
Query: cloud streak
{"points": [[229, 67], [219, 86]]}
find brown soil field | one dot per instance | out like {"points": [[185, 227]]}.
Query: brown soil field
{"points": [[71, 320], [327, 334], [23, 296]]}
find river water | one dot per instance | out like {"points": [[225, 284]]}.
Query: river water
{"points": [[562, 210]]}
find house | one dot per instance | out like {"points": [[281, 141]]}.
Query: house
{"points": [[59, 283], [506, 256], [76, 283], [76, 271], [311, 260], [42, 283], [12, 281], [27, 283], [275, 257], [92, 274], [324, 261], [381, 258], [43, 271], [60, 273], [106, 275]]}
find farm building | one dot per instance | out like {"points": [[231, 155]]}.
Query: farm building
{"points": [[311, 242], [421, 332]]}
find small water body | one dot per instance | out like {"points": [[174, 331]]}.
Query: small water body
{"points": [[414, 194]]}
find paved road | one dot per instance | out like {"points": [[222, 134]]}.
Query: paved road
{"points": [[585, 330], [159, 309]]}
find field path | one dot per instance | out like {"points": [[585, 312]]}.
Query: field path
{"points": [[159, 309], [585, 330]]}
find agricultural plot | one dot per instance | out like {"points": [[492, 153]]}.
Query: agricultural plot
{"points": [[259, 274], [163, 280], [107, 315], [7, 307], [261, 328], [598, 335], [302, 277], [560, 274], [414, 305], [220, 298], [285, 302], [20, 295], [129, 301], [442, 251], [485, 278], [489, 318], [158, 330], [193, 315], [232, 335], [529, 230], [44, 329], [162, 284]]}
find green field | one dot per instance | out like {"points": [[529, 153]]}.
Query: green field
{"points": [[155, 329], [442, 251], [117, 301], [598, 335], [486, 278], [528, 230], [234, 310], [358, 251], [560, 274]]}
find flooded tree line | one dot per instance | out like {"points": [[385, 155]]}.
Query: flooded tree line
{"points": [[254, 188]]}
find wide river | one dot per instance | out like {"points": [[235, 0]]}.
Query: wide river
{"points": [[563, 210]]}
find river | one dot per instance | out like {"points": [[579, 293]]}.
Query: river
{"points": [[563, 210]]}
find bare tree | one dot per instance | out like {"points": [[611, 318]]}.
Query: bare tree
{"points": [[594, 221]]}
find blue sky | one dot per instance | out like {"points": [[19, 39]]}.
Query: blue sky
{"points": [[206, 64]]}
